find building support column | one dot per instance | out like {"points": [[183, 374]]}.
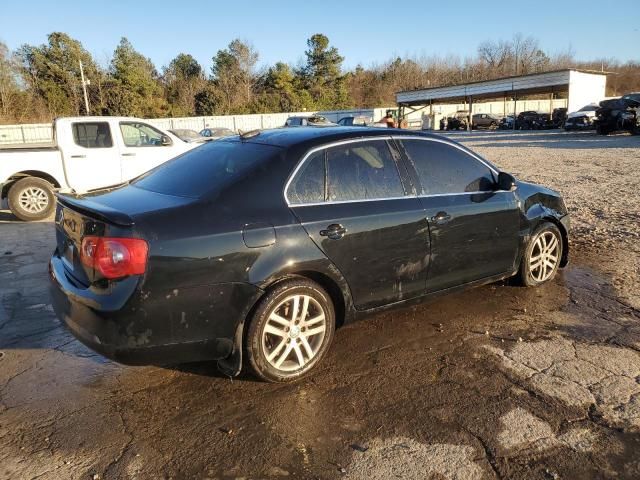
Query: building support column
{"points": [[515, 105], [470, 120]]}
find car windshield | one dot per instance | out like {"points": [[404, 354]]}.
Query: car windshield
{"points": [[185, 133], [588, 108], [221, 132], [206, 169]]}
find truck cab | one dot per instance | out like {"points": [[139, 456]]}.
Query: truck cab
{"points": [[87, 153]]}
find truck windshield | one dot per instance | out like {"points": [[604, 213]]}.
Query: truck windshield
{"points": [[205, 169]]}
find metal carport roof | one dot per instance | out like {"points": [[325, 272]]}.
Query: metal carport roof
{"points": [[517, 85]]}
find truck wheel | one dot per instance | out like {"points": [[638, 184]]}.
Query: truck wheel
{"points": [[31, 199]]}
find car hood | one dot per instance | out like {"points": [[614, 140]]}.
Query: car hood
{"points": [[531, 188]]}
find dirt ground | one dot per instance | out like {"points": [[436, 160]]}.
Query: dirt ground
{"points": [[496, 382]]}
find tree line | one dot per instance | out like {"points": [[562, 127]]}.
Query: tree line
{"points": [[41, 82]]}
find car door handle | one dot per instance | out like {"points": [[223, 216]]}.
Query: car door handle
{"points": [[440, 218], [128, 154], [335, 231], [78, 156]]}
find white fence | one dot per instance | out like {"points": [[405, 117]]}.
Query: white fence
{"points": [[36, 133], [43, 132]]}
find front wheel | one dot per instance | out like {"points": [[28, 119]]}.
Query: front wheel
{"points": [[31, 199], [542, 256], [290, 331]]}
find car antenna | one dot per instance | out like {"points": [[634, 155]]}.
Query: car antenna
{"points": [[249, 134]]}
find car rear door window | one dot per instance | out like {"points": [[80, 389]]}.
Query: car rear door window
{"points": [[445, 169], [362, 171], [92, 134], [308, 186]]}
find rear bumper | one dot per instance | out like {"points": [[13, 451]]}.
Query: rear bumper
{"points": [[165, 328]]}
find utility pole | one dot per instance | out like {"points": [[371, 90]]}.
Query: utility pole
{"points": [[84, 89]]}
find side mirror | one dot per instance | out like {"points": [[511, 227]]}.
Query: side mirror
{"points": [[166, 141], [506, 182]]}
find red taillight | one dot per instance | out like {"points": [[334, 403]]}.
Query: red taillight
{"points": [[115, 257]]}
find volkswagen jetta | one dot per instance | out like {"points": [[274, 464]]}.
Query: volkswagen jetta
{"points": [[253, 249]]}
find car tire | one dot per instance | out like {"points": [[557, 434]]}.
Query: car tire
{"points": [[542, 256], [31, 199], [279, 344]]}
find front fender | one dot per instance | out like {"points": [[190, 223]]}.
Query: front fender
{"points": [[542, 206]]}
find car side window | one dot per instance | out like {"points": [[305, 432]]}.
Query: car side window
{"points": [[135, 134], [92, 134], [361, 171], [308, 186], [445, 169]]}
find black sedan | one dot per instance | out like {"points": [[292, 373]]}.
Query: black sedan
{"points": [[253, 249]]}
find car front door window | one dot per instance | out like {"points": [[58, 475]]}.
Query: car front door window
{"points": [[140, 135], [445, 169]]}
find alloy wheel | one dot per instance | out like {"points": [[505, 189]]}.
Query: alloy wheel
{"points": [[33, 199], [293, 333], [544, 256]]}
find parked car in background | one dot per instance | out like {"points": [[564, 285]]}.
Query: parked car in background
{"points": [[558, 117], [216, 133], [582, 119], [532, 120], [506, 123], [485, 120], [458, 121], [308, 121], [254, 248], [88, 153], [360, 121], [619, 114], [188, 136]]}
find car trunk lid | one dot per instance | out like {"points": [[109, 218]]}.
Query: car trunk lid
{"points": [[109, 213]]}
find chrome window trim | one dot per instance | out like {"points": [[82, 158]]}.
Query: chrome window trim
{"points": [[335, 202], [324, 147], [386, 138]]}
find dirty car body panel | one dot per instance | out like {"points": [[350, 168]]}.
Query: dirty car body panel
{"points": [[224, 223]]}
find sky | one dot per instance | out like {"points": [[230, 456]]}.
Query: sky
{"points": [[365, 32]]}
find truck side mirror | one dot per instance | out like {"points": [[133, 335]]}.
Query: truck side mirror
{"points": [[506, 182], [166, 141]]}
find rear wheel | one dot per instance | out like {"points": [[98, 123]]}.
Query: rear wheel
{"points": [[542, 256], [31, 199], [290, 331]]}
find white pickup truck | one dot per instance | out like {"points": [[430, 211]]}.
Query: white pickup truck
{"points": [[87, 153]]}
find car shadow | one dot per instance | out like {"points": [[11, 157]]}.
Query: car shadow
{"points": [[7, 216]]}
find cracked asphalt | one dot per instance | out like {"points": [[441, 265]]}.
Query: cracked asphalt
{"points": [[495, 382]]}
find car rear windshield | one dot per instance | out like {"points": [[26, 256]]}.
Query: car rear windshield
{"points": [[205, 169]]}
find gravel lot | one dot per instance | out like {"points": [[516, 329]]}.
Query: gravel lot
{"points": [[496, 382]]}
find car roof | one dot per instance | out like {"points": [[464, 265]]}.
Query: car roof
{"points": [[288, 137]]}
